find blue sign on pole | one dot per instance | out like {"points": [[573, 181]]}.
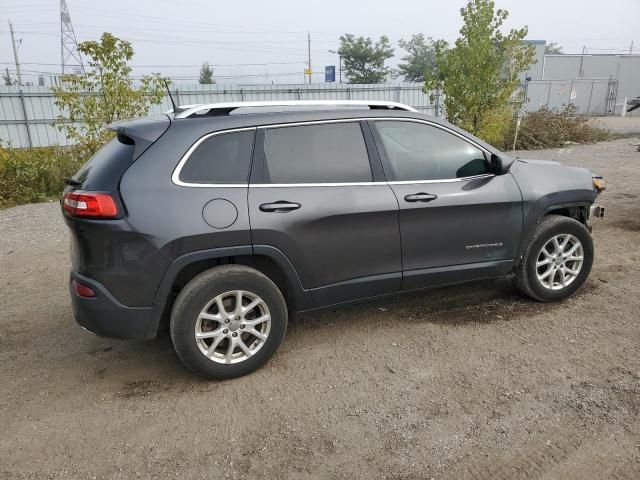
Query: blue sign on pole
{"points": [[330, 73]]}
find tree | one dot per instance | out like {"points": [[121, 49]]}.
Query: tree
{"points": [[104, 94], [206, 75], [553, 49], [420, 58], [363, 61], [480, 74]]}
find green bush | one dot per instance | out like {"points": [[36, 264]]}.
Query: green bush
{"points": [[35, 174], [497, 127]]}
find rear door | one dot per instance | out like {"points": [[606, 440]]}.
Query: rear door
{"points": [[458, 221], [315, 197]]}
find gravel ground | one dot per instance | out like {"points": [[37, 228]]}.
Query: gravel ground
{"points": [[470, 381]]}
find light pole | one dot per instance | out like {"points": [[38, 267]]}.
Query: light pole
{"points": [[339, 62]]}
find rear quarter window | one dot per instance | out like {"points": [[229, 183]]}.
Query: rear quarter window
{"points": [[220, 158]]}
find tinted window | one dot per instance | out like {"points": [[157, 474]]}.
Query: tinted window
{"points": [[417, 151], [104, 169], [223, 158], [323, 153]]}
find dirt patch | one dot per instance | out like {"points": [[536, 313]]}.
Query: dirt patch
{"points": [[629, 225], [472, 381]]}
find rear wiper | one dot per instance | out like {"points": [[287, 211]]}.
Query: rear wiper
{"points": [[72, 182]]}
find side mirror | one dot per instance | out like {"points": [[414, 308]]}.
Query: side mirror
{"points": [[496, 166]]}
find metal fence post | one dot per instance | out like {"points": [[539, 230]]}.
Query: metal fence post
{"points": [[590, 95], [26, 118]]}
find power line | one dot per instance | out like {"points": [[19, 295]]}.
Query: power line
{"points": [[187, 77], [194, 42], [183, 66]]}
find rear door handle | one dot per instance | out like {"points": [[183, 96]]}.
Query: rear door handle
{"points": [[279, 206], [420, 197]]}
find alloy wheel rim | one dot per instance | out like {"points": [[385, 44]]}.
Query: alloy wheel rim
{"points": [[232, 327], [559, 262]]}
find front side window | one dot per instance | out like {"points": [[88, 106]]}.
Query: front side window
{"points": [[416, 151], [319, 153], [223, 158]]}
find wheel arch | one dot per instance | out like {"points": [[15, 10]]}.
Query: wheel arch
{"points": [[266, 259], [578, 210]]}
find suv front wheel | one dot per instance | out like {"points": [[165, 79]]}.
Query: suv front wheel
{"points": [[228, 321], [557, 261]]}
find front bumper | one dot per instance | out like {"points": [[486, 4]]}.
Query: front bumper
{"points": [[105, 316]]}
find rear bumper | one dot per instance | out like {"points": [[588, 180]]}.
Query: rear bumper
{"points": [[105, 316]]}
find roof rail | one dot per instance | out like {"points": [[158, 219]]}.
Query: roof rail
{"points": [[226, 108]]}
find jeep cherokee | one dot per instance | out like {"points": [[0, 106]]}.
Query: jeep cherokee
{"points": [[219, 221]]}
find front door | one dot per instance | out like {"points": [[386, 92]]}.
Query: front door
{"points": [[458, 221], [314, 198]]}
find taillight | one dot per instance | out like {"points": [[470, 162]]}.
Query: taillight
{"points": [[82, 290], [86, 204]]}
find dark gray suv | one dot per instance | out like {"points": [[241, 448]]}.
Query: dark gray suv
{"points": [[219, 221]]}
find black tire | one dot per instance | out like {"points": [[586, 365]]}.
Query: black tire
{"points": [[526, 279], [201, 290]]}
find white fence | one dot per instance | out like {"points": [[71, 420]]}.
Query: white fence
{"points": [[27, 114], [588, 96]]}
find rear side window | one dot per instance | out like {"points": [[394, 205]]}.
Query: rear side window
{"points": [[223, 158], [416, 151], [104, 170], [322, 153]]}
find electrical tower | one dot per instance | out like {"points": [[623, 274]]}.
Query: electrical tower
{"points": [[70, 59]]}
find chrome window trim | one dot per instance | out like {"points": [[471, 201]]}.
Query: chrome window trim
{"points": [[175, 177], [337, 184], [311, 122], [442, 180], [357, 184]]}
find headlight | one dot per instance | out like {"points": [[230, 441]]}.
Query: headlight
{"points": [[598, 184]]}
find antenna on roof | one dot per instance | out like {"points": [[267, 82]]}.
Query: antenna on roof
{"points": [[176, 109]]}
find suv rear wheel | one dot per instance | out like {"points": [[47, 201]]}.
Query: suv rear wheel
{"points": [[228, 321], [557, 261]]}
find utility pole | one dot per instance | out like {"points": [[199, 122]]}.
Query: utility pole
{"points": [[15, 54], [309, 55], [24, 107], [631, 48]]}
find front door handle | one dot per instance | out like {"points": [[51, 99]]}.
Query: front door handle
{"points": [[420, 197], [279, 206]]}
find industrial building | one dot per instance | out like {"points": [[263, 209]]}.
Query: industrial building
{"points": [[596, 84]]}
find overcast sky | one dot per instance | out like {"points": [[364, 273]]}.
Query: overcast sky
{"points": [[175, 36]]}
